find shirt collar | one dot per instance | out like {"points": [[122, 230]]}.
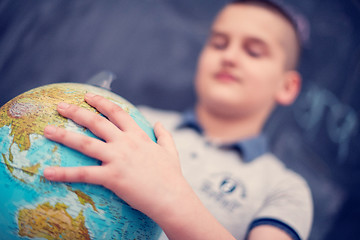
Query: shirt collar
{"points": [[249, 149]]}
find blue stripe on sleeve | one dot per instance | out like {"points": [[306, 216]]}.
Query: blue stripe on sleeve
{"points": [[276, 223]]}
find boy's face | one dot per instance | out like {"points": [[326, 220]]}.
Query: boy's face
{"points": [[244, 66]]}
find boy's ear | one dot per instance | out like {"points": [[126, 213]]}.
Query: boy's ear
{"points": [[290, 88]]}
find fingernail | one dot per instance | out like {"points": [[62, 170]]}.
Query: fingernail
{"points": [[49, 130], [89, 95], [63, 105], [49, 173]]}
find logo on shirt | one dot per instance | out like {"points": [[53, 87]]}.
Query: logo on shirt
{"points": [[228, 191]]}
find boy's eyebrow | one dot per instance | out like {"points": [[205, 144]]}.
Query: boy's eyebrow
{"points": [[216, 33], [257, 41], [254, 39]]}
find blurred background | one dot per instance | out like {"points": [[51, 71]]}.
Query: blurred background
{"points": [[152, 47]]}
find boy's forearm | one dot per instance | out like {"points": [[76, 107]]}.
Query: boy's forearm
{"points": [[187, 218]]}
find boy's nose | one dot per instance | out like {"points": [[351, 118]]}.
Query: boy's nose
{"points": [[229, 57]]}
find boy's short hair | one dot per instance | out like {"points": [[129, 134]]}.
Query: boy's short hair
{"points": [[297, 21]]}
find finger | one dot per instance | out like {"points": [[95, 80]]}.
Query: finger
{"points": [[87, 145], [113, 112], [88, 174], [97, 124], [164, 138]]}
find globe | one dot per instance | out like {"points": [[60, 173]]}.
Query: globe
{"points": [[35, 208]]}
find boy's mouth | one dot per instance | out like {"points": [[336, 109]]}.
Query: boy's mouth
{"points": [[225, 76]]}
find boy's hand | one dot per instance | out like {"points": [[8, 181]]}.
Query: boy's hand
{"points": [[143, 173]]}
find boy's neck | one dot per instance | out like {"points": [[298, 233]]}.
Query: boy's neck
{"points": [[225, 129]]}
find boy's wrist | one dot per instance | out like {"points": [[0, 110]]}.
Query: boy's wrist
{"points": [[183, 216]]}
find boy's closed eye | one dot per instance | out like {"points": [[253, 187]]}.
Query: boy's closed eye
{"points": [[218, 40], [255, 48]]}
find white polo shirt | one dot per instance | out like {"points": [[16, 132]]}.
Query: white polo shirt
{"points": [[242, 185]]}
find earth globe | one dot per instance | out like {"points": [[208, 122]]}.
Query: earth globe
{"points": [[34, 208]]}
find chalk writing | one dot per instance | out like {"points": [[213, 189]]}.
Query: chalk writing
{"points": [[319, 108]]}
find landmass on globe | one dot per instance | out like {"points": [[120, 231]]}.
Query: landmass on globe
{"points": [[46, 221]]}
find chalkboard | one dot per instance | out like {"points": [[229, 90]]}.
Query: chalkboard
{"points": [[152, 47]]}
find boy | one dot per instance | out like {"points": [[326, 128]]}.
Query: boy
{"points": [[234, 188]]}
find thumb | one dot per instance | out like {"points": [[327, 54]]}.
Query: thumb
{"points": [[164, 138]]}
